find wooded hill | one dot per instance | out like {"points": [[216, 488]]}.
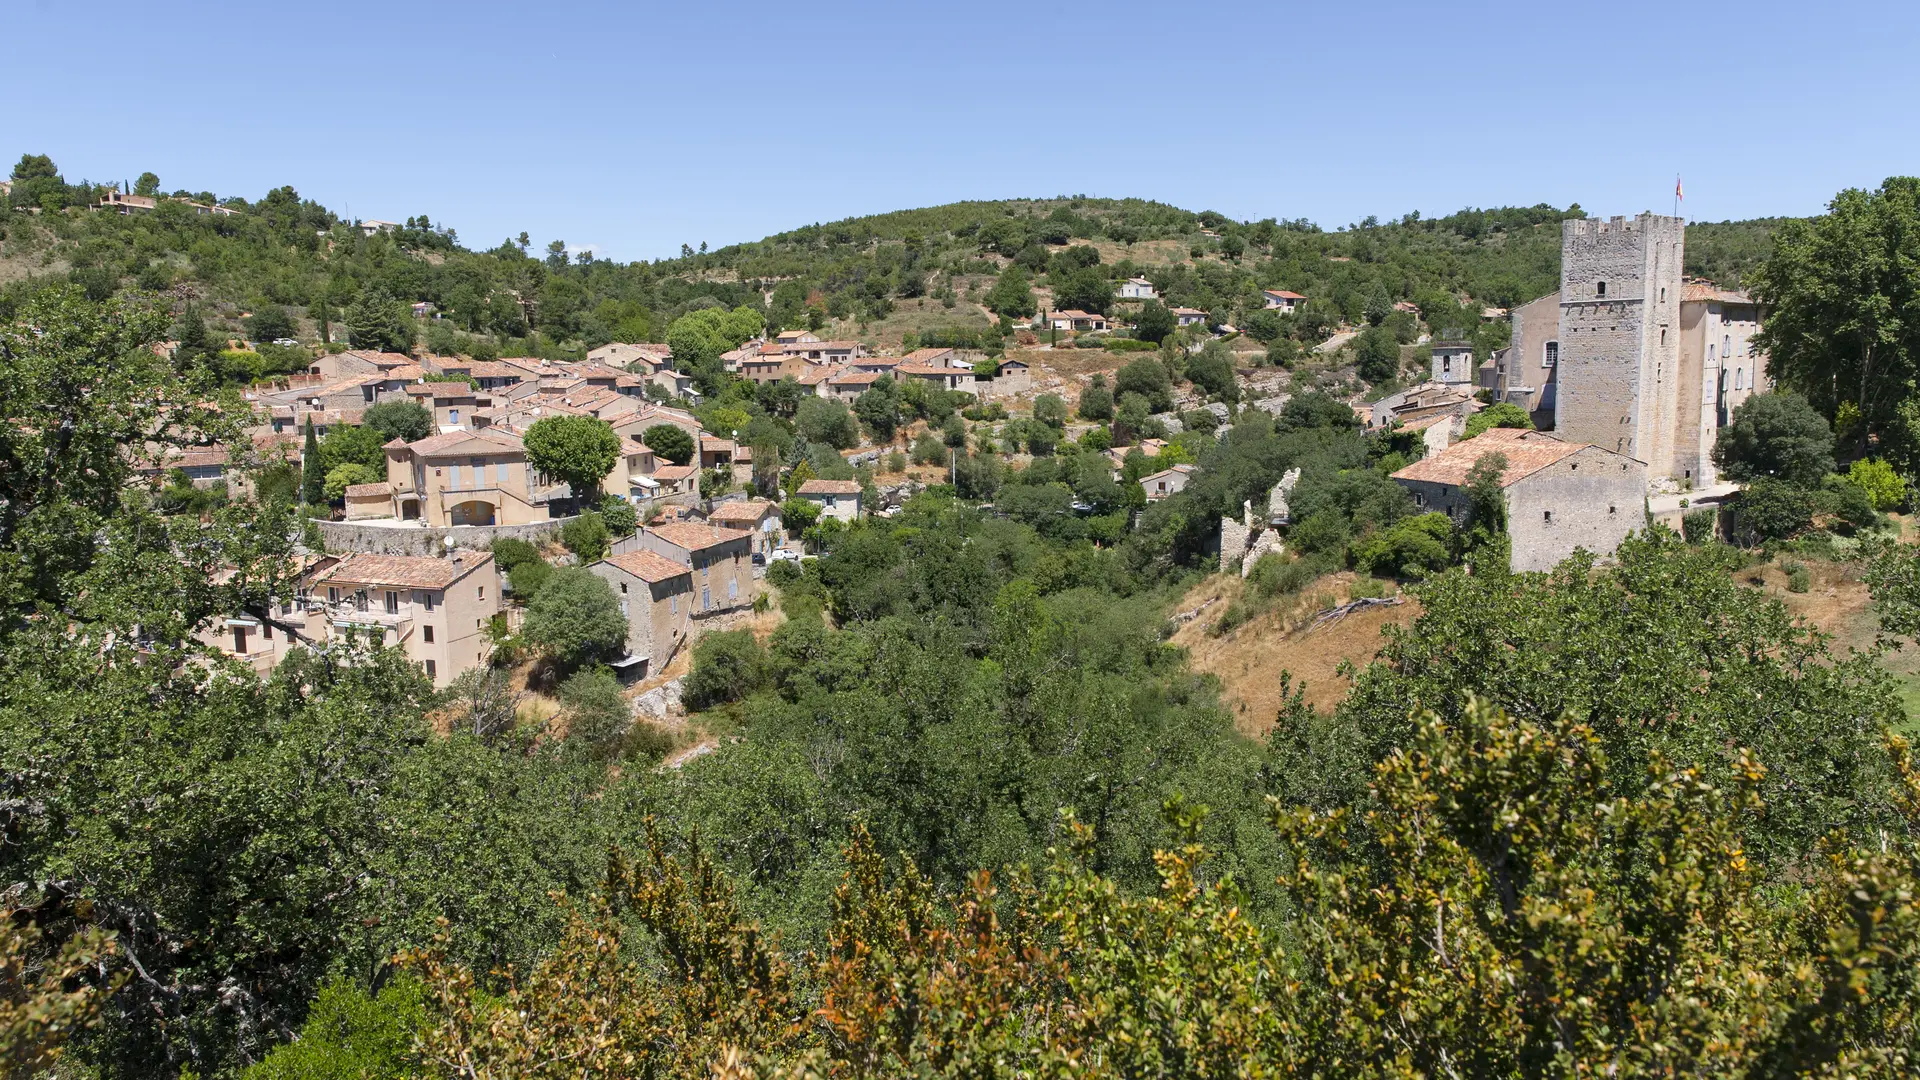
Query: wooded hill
{"points": [[297, 267]]}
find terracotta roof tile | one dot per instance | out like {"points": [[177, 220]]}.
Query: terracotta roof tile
{"points": [[830, 487], [649, 566], [748, 510], [410, 571], [1527, 452], [696, 537]]}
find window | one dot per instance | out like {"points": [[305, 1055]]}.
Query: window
{"points": [[393, 603], [431, 670], [1739, 378], [673, 604], [426, 634], [1663, 294], [480, 593], [623, 588], [266, 630], [1552, 355], [1726, 344], [1603, 289], [333, 595], [1547, 516], [453, 416], [1663, 335], [426, 600]]}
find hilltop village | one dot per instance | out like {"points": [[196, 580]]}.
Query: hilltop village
{"points": [[1605, 408], [1062, 636]]}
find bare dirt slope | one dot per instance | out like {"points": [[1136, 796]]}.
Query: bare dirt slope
{"points": [[1250, 658]]}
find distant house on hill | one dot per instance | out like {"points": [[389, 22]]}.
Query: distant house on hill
{"points": [[1282, 301], [1138, 288], [1187, 316], [1075, 319]]}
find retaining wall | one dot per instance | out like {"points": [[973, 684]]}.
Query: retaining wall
{"points": [[342, 536]]}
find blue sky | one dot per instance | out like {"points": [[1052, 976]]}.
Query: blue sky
{"points": [[635, 127]]}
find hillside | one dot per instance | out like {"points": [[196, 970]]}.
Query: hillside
{"points": [[926, 271]]}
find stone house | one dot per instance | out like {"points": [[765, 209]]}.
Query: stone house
{"points": [[837, 498], [624, 356], [656, 596], [761, 517], [1013, 379], [434, 609], [720, 560], [1560, 496]]}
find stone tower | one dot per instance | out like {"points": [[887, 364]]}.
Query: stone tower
{"points": [[1619, 356]]}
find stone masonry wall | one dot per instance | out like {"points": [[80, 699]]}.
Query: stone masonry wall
{"points": [[342, 536], [1619, 348], [1590, 500]]}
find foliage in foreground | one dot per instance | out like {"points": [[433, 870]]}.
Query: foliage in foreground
{"points": [[1506, 910]]}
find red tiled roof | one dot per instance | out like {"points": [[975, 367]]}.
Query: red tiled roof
{"points": [[694, 536], [452, 440], [1283, 294], [830, 487], [749, 510], [674, 473], [1527, 452], [411, 571], [358, 491], [649, 566]]}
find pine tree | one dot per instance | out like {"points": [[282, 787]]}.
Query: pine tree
{"points": [[313, 475]]}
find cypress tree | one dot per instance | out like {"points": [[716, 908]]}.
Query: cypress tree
{"points": [[313, 475]]}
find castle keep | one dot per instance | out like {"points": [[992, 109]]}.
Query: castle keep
{"points": [[1628, 355], [1619, 354]]}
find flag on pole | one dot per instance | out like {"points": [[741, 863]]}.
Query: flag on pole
{"points": [[1677, 193]]}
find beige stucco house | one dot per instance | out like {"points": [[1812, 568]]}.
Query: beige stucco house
{"points": [[837, 498], [720, 560], [436, 610], [467, 478]]}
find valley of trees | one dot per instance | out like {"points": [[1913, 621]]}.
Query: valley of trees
{"points": [[971, 812]]}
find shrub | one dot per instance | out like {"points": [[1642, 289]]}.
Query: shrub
{"points": [[1697, 526], [1882, 485], [1847, 502], [783, 573], [586, 536], [619, 515], [727, 666], [1412, 548], [1504, 415], [509, 553], [596, 712], [1276, 575], [669, 442], [345, 476], [896, 462], [1772, 509], [527, 578], [928, 449], [1799, 580], [1322, 532]]}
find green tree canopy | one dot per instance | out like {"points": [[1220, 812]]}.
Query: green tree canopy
{"points": [[1840, 290], [575, 619], [407, 421], [1012, 294], [578, 451], [1775, 435], [670, 442]]}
